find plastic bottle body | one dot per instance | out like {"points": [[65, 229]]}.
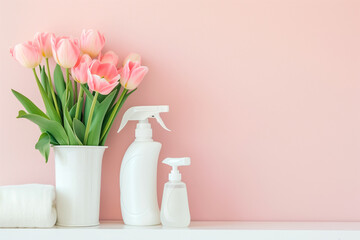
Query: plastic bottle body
{"points": [[138, 184], [175, 206]]}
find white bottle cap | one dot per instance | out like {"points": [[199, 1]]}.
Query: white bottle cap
{"points": [[175, 175]]}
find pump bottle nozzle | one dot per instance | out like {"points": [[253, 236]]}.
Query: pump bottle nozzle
{"points": [[175, 175]]}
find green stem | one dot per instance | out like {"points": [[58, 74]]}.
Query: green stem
{"points": [[80, 99], [92, 108], [67, 83], [75, 91], [51, 86], [113, 113], [37, 79]]}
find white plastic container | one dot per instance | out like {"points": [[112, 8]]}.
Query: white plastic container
{"points": [[138, 174], [138, 184], [78, 182], [175, 205]]}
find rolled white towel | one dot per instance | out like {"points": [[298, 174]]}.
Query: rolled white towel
{"points": [[30, 205]]}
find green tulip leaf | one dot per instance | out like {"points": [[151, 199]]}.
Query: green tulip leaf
{"points": [[71, 95], [29, 105], [87, 92], [66, 111], [58, 98], [88, 101], [59, 80], [43, 145], [49, 105], [116, 90], [107, 116], [79, 129], [52, 140], [45, 82], [98, 118], [101, 97], [51, 126], [73, 139], [87, 109], [73, 110], [63, 101]]}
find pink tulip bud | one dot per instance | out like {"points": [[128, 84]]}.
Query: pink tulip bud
{"points": [[43, 40], [91, 42], [104, 77], [65, 51], [134, 57], [132, 74], [109, 57], [81, 72], [27, 54]]}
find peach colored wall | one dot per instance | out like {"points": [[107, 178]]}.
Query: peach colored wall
{"points": [[264, 97]]}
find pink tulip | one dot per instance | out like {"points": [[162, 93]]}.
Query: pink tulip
{"points": [[91, 42], [43, 40], [132, 74], [84, 58], [104, 77], [109, 57], [27, 54], [65, 51], [134, 57], [81, 72]]}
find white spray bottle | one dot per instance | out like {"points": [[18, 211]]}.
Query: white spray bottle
{"points": [[175, 206], [138, 174]]}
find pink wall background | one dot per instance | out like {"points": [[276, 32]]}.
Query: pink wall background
{"points": [[264, 97]]}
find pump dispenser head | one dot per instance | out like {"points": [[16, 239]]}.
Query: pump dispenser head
{"points": [[175, 175], [142, 113]]}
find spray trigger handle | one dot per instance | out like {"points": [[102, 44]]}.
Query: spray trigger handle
{"points": [[142, 113], [160, 121]]}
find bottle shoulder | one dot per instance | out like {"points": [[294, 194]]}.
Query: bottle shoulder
{"points": [[142, 150], [175, 185], [140, 142]]}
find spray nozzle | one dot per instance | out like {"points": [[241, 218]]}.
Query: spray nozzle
{"points": [[142, 113], [175, 175]]}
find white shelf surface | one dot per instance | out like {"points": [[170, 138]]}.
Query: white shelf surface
{"points": [[207, 230]]}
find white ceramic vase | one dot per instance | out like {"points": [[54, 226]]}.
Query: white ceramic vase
{"points": [[78, 181]]}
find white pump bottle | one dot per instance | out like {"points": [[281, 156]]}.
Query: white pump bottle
{"points": [[138, 174], [175, 206]]}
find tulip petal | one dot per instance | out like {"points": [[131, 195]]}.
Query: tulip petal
{"points": [[107, 89], [133, 65], [124, 74], [109, 57], [91, 81], [94, 66], [115, 79], [91, 42], [27, 54], [66, 51], [136, 77], [43, 41], [105, 70], [134, 57]]}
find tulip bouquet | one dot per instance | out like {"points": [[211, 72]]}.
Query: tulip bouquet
{"points": [[80, 107]]}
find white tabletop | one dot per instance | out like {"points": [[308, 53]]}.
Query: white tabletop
{"points": [[219, 230]]}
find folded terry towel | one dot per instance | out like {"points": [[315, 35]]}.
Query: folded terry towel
{"points": [[30, 205]]}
